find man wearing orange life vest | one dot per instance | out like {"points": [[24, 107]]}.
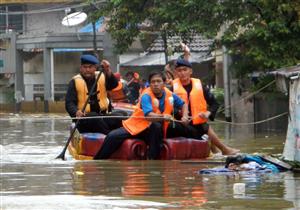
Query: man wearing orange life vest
{"points": [[78, 91], [149, 120], [198, 98], [119, 94]]}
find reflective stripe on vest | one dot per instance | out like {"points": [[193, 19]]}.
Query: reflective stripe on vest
{"points": [[138, 123], [82, 92], [197, 101]]}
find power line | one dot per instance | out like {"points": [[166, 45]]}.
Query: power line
{"points": [[50, 10]]}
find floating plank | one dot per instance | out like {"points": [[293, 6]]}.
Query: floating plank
{"points": [[277, 162]]}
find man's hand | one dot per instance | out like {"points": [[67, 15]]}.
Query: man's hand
{"points": [[167, 117], [79, 113], [167, 67], [106, 67], [185, 48], [204, 115], [185, 120]]}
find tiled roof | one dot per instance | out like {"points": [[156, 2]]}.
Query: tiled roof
{"points": [[158, 58], [197, 44]]}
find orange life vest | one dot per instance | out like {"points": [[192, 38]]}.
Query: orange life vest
{"points": [[117, 94], [82, 92], [138, 123], [196, 100]]}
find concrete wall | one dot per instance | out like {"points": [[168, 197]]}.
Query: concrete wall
{"points": [[43, 23], [242, 109], [268, 105], [66, 65], [292, 144], [249, 108], [6, 56]]}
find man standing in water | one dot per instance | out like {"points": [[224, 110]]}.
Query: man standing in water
{"points": [[197, 97], [149, 120]]}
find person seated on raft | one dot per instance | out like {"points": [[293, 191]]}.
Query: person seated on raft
{"points": [[121, 92], [98, 105], [199, 99], [149, 120]]}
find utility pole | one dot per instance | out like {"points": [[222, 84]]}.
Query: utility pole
{"points": [[226, 85], [94, 38], [165, 41]]}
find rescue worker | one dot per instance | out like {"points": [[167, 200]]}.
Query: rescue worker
{"points": [[149, 120], [98, 105], [119, 94], [199, 99]]}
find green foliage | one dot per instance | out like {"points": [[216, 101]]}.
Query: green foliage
{"points": [[263, 81], [219, 95], [260, 34], [8, 94], [267, 85], [268, 35]]}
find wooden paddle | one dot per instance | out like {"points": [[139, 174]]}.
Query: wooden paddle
{"points": [[62, 154]]}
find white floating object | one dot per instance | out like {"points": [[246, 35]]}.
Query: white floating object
{"points": [[239, 188]]}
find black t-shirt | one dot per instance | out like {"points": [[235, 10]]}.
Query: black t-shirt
{"points": [[134, 91]]}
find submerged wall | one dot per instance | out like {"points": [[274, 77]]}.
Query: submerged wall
{"points": [[34, 107]]}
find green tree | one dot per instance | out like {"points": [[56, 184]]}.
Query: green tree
{"points": [[260, 34]]}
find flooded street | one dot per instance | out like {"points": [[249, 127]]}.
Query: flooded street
{"points": [[32, 179]]}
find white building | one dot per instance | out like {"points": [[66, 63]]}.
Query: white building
{"points": [[38, 54]]}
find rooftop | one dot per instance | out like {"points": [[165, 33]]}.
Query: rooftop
{"points": [[288, 72], [197, 43]]}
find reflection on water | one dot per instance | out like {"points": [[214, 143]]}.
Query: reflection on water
{"points": [[168, 181], [71, 202], [31, 178]]}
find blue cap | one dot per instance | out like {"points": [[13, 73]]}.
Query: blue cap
{"points": [[89, 59], [182, 62]]}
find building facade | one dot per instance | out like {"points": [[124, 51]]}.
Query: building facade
{"points": [[38, 54]]}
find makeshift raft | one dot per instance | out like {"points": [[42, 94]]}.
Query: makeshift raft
{"points": [[84, 146]]}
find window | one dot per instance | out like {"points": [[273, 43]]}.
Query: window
{"points": [[11, 21]]}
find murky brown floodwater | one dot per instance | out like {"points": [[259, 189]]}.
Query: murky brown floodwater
{"points": [[32, 179]]}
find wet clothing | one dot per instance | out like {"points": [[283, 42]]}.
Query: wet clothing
{"points": [[248, 164], [137, 122], [192, 130], [152, 134], [176, 129], [96, 124]]}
